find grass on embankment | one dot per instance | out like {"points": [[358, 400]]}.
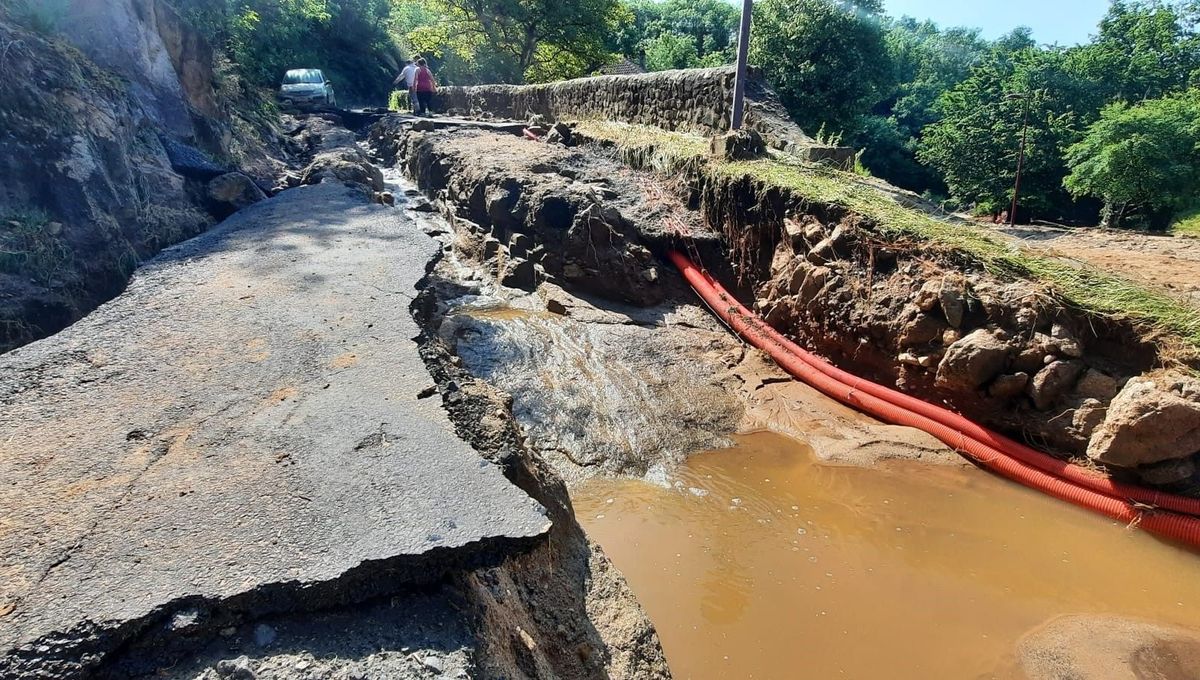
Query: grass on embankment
{"points": [[1188, 224], [1080, 285]]}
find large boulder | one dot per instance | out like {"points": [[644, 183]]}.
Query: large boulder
{"points": [[190, 161], [231, 192], [1149, 421], [973, 360], [343, 165]]}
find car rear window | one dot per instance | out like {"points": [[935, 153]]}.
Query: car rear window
{"points": [[308, 76]]}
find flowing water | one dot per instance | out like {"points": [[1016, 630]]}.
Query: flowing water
{"points": [[758, 562]]}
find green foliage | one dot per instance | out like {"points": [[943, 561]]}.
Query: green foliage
{"points": [[858, 168], [1188, 223], [977, 142], [399, 100], [1144, 50], [826, 58], [1145, 156], [350, 40], [678, 33], [511, 40], [927, 61], [671, 50], [31, 245]]}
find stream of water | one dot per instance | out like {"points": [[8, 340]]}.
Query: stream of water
{"points": [[758, 562]]}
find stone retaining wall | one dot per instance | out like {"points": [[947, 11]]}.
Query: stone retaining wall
{"points": [[697, 101]]}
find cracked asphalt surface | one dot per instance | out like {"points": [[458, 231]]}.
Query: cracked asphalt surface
{"points": [[238, 433]]}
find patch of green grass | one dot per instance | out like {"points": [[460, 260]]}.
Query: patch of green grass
{"points": [[659, 149], [398, 101], [31, 245], [1079, 285], [1188, 224]]}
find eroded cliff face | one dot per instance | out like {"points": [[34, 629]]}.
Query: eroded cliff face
{"points": [[112, 129], [88, 188], [122, 37]]}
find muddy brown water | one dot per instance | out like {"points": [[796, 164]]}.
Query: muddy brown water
{"points": [[759, 562]]}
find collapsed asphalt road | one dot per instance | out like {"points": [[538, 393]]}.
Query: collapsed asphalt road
{"points": [[239, 433]]}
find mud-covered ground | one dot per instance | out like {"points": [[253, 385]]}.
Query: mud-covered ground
{"points": [[1170, 263]]}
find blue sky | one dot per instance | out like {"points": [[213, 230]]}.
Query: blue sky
{"points": [[1067, 22]]}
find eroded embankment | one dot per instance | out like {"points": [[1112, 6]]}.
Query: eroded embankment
{"points": [[609, 376], [937, 323], [940, 323], [584, 370]]}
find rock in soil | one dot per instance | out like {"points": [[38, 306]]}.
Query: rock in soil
{"points": [[231, 192], [1008, 386], [974, 360], [1053, 381], [1150, 420]]}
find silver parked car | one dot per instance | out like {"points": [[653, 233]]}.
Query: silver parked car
{"points": [[307, 86]]}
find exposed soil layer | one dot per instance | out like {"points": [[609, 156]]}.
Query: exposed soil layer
{"points": [[1004, 352], [602, 385], [535, 213]]}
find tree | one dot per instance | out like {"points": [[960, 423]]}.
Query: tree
{"points": [[926, 61], [678, 33], [1142, 157], [643, 23], [826, 58], [1144, 50], [670, 50], [529, 33], [709, 23], [976, 143]]}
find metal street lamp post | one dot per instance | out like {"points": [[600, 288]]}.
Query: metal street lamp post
{"points": [[739, 78]]}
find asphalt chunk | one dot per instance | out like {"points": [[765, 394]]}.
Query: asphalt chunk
{"points": [[225, 440]]}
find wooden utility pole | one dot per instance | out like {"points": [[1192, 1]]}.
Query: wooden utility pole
{"points": [[739, 79], [1012, 212]]}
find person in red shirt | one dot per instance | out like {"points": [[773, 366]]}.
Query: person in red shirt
{"points": [[423, 88]]}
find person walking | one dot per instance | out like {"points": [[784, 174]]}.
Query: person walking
{"points": [[423, 88], [407, 75]]}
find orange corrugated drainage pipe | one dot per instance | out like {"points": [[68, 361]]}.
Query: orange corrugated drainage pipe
{"points": [[1173, 525], [1040, 460]]}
